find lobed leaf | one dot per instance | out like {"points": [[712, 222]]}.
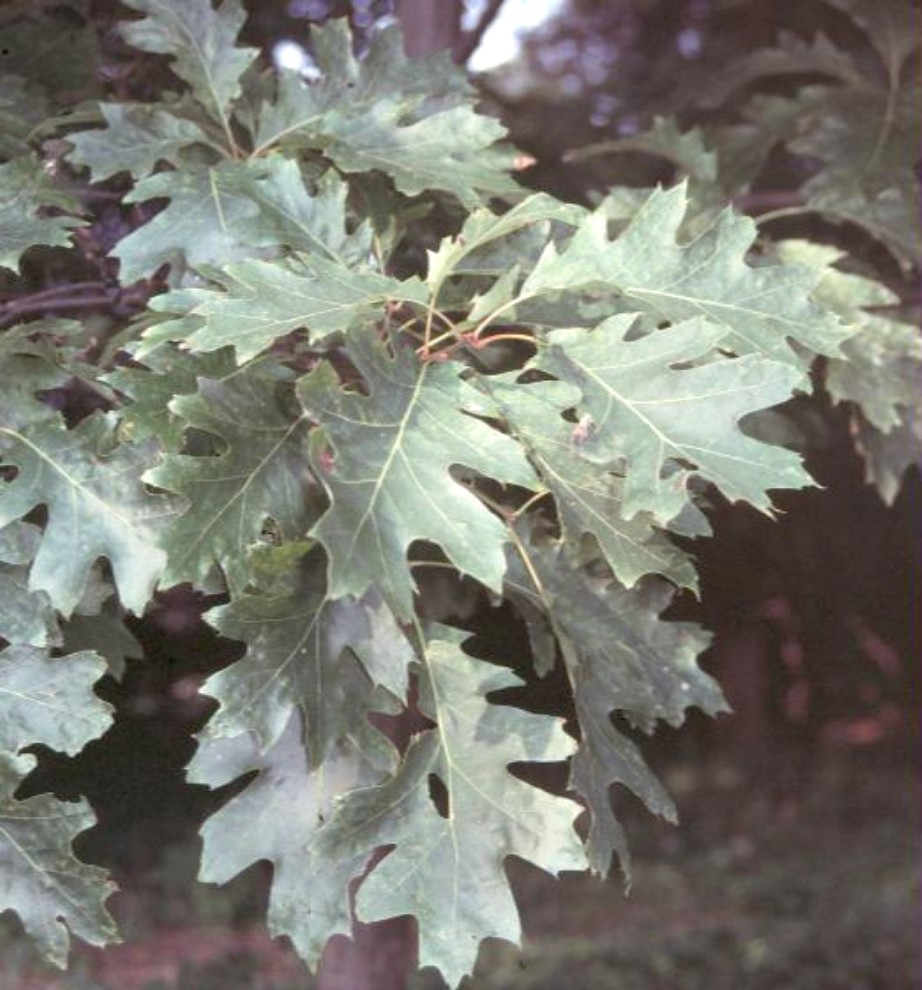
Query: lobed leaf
{"points": [[888, 456], [26, 191], [861, 127], [311, 218], [218, 214], [201, 42], [447, 869], [588, 498], [879, 371], [263, 473], [759, 310], [687, 150], [281, 816], [53, 892], [97, 506], [621, 657], [264, 301], [135, 139], [204, 223], [295, 658], [460, 895], [667, 422], [411, 119], [483, 228], [150, 389], [385, 461], [26, 617], [50, 699], [451, 150]]}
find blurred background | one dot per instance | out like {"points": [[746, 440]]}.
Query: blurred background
{"points": [[796, 862]]}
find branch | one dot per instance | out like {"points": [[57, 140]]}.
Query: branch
{"points": [[53, 300], [55, 290], [467, 43], [759, 202]]}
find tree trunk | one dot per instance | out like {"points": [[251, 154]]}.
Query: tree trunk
{"points": [[429, 25]]}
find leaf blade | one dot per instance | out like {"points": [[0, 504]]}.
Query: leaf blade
{"points": [[392, 449]]}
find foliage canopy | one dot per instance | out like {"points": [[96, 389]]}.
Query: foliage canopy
{"points": [[313, 414]]}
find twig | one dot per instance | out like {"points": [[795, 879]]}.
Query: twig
{"points": [[782, 214], [29, 307], [774, 199]]}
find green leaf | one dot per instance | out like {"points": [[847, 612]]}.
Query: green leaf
{"points": [[204, 224], [265, 300], [862, 128], [26, 617], [893, 29], [22, 106], [789, 55], [880, 117], [588, 498], [882, 372], [52, 46], [867, 140], [687, 150], [26, 190], [668, 424], [888, 456], [483, 228], [280, 816], [135, 139], [294, 657], [743, 148], [168, 320], [385, 73], [201, 41], [263, 473], [759, 310], [412, 120], [101, 630], [460, 895], [217, 215], [167, 373], [882, 363], [53, 893], [448, 870], [389, 482], [96, 504], [308, 217], [889, 215], [452, 151], [50, 699], [621, 658], [879, 372]]}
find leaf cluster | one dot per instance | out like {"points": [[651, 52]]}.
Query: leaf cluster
{"points": [[316, 419], [840, 108]]}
